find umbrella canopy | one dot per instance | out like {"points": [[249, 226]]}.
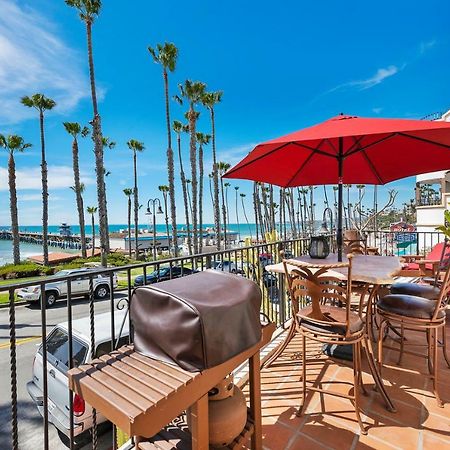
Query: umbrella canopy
{"points": [[349, 149], [372, 151]]}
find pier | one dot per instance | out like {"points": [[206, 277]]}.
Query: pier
{"points": [[72, 242]]}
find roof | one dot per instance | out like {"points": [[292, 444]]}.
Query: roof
{"points": [[102, 326]]}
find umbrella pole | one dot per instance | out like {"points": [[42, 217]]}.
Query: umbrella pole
{"points": [[340, 197]]}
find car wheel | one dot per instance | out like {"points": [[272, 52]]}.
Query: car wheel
{"points": [[50, 299], [101, 292]]}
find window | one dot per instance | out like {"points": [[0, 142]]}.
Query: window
{"points": [[105, 347], [58, 350]]}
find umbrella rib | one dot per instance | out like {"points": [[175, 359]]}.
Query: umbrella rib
{"points": [[355, 144], [360, 149], [371, 165], [300, 168], [428, 141], [315, 149], [256, 159]]}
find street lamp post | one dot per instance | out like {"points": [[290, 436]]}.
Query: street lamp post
{"points": [[154, 202]]}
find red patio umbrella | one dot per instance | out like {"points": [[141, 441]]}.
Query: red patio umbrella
{"points": [[349, 149]]}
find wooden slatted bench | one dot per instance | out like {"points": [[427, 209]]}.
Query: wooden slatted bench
{"points": [[141, 395]]}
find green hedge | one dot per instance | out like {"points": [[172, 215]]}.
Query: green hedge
{"points": [[24, 270], [27, 269]]}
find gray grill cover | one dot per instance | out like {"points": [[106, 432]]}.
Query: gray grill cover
{"points": [[198, 321]]}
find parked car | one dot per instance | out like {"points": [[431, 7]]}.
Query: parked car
{"points": [[79, 286], [57, 367], [228, 266], [163, 274]]}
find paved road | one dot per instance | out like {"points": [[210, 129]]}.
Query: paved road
{"points": [[28, 331]]}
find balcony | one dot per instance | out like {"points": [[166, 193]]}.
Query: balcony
{"points": [[328, 423]]}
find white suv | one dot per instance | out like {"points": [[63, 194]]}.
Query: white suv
{"points": [[79, 286]]}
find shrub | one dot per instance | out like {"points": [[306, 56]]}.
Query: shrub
{"points": [[24, 270]]}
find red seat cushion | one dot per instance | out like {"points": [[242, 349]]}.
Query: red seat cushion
{"points": [[434, 255], [415, 266]]}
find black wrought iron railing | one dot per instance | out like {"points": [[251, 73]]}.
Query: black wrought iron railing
{"points": [[399, 243], [28, 411], [430, 201], [26, 422]]}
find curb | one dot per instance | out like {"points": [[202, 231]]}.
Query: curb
{"points": [[6, 305]]}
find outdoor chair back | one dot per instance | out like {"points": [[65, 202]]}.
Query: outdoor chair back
{"points": [[355, 246], [328, 297]]}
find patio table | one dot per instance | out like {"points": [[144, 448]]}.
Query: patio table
{"points": [[372, 272]]}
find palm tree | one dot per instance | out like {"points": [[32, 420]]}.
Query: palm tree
{"points": [[167, 55], [202, 139], [13, 144], [74, 129], [78, 191], [193, 92], [242, 195], [226, 186], [222, 168], [189, 183], [165, 189], [129, 192], [236, 188], [42, 103], [209, 100], [92, 210], [178, 127], [135, 147], [89, 11]]}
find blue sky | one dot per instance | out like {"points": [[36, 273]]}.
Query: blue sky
{"points": [[281, 66]]}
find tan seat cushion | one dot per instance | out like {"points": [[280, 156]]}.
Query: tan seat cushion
{"points": [[418, 290], [335, 313], [408, 306]]}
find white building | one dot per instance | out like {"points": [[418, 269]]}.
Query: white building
{"points": [[432, 199]]}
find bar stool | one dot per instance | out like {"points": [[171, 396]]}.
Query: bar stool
{"points": [[417, 314], [325, 322]]}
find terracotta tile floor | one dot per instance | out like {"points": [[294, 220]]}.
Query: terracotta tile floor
{"points": [[330, 422]]}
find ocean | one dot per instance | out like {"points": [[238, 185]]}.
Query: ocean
{"points": [[27, 249]]}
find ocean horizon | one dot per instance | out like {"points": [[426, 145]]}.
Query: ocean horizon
{"points": [[28, 249]]}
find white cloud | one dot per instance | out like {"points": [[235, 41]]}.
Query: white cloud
{"points": [[34, 197], [34, 59], [59, 177], [377, 110], [361, 85], [230, 155], [427, 45]]}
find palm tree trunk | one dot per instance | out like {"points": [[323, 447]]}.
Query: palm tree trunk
{"points": [[226, 205], [211, 191], [13, 207], [246, 218], [79, 199], [193, 159], [224, 216], [200, 198], [166, 217], [93, 234], [255, 210], [98, 151], [216, 181], [185, 196], [129, 226], [237, 215], [136, 206], [44, 178], [170, 168]]}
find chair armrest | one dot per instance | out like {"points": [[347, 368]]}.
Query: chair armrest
{"points": [[434, 262], [412, 258]]}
